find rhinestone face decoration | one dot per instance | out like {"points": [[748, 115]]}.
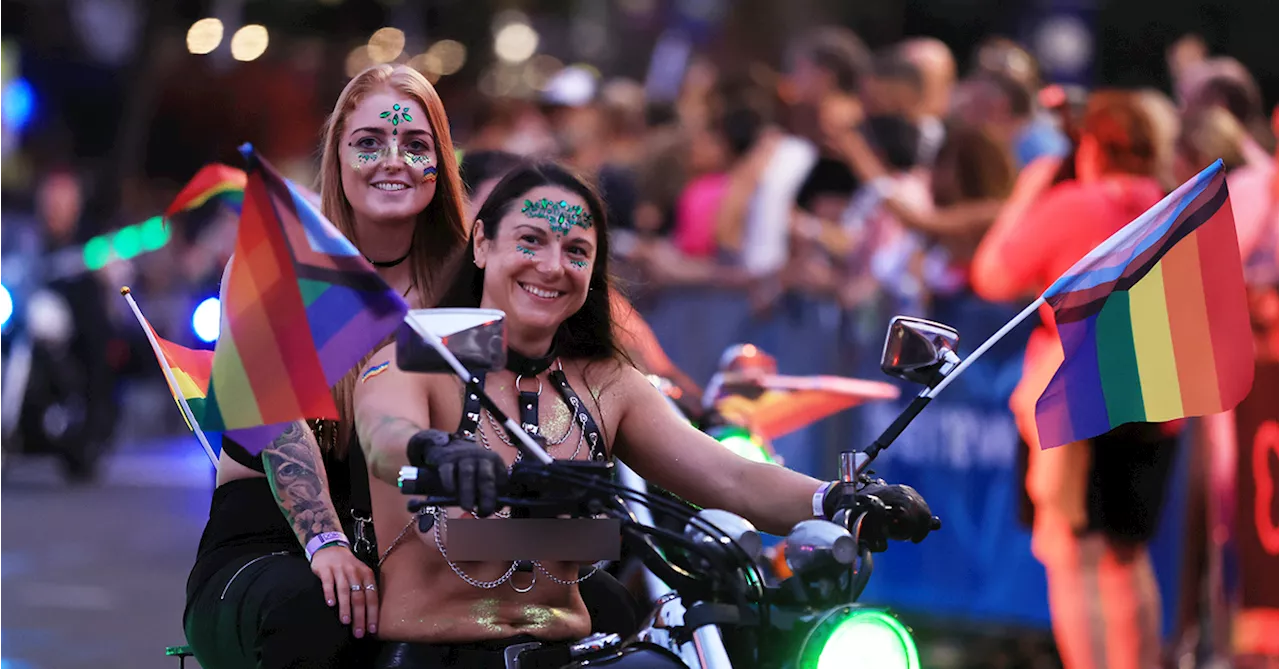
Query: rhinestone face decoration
{"points": [[561, 216]]}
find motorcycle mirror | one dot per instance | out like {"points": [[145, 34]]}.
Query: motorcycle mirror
{"points": [[915, 349], [814, 542], [477, 337]]}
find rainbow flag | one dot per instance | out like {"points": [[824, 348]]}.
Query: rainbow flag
{"points": [[301, 307], [212, 181], [1154, 323], [191, 369]]}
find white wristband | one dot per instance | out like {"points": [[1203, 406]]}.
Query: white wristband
{"points": [[819, 496], [320, 540]]}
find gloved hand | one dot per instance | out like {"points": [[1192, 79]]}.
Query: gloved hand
{"points": [[463, 469], [894, 512]]}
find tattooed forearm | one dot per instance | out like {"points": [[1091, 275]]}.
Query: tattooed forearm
{"points": [[384, 438], [296, 473]]}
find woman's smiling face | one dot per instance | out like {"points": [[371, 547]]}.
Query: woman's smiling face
{"points": [[389, 161], [538, 267]]}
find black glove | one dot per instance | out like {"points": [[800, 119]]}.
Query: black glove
{"points": [[894, 512], [463, 469]]}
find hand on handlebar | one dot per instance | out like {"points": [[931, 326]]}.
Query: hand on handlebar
{"points": [[462, 469], [894, 512]]}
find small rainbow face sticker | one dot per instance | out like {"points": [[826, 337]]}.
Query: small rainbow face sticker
{"points": [[416, 160]]}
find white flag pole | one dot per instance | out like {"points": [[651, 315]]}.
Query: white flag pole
{"points": [[168, 375], [991, 341]]}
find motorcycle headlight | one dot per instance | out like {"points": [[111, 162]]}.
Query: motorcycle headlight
{"points": [[206, 320], [6, 306], [741, 441], [49, 318], [855, 637]]}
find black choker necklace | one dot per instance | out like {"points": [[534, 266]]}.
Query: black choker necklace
{"points": [[390, 263], [523, 365]]}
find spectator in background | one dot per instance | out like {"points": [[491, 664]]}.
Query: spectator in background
{"points": [[714, 152], [1224, 83], [493, 123], [623, 114], [60, 209], [1016, 72], [826, 67], [1094, 504], [1165, 124], [937, 69], [1005, 108]]}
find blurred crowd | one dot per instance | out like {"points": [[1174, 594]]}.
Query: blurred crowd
{"points": [[858, 178], [862, 182]]}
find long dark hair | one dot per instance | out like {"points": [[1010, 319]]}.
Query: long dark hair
{"points": [[588, 333]]}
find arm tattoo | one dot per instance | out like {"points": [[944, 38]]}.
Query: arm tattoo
{"points": [[297, 478]]}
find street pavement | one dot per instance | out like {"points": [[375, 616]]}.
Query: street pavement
{"points": [[94, 575]]}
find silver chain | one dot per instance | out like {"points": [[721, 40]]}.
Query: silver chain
{"points": [[440, 525], [502, 435], [441, 517], [400, 537], [562, 581], [475, 583]]}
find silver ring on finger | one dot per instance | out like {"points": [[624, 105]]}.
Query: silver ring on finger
{"points": [[370, 586], [355, 587]]}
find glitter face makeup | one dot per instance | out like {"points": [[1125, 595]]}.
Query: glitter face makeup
{"points": [[561, 216], [382, 167], [525, 250], [414, 159], [579, 265]]}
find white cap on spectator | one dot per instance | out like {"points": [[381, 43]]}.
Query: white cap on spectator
{"points": [[574, 86]]}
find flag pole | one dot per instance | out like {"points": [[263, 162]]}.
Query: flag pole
{"points": [[529, 446], [1116, 239], [991, 341], [168, 375]]}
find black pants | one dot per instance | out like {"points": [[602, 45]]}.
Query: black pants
{"points": [[268, 612]]}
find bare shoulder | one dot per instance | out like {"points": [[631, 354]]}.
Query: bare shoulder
{"points": [[610, 379]]}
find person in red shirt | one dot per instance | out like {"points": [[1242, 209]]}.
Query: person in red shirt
{"points": [[1094, 504]]}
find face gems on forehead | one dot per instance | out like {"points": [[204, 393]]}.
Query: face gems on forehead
{"points": [[561, 216], [396, 114]]}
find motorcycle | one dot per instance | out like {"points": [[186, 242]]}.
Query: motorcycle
{"points": [[46, 404], [745, 407], [717, 609]]}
